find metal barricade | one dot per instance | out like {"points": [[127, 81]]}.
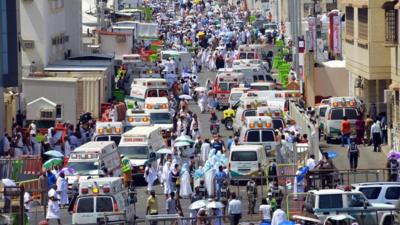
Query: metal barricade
{"points": [[23, 168], [31, 186], [294, 204]]}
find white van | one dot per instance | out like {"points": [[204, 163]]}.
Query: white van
{"points": [[263, 86], [140, 145], [247, 160], [136, 117], [148, 87], [258, 130], [252, 73], [338, 108], [247, 107], [235, 95], [101, 196], [90, 160], [108, 131]]}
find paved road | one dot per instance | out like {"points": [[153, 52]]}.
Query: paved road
{"points": [[367, 160]]}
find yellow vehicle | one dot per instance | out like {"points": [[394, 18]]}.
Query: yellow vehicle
{"points": [[229, 115]]}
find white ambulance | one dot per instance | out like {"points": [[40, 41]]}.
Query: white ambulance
{"points": [[160, 115], [247, 107], [247, 160], [140, 145], [236, 94], [148, 87], [102, 197], [108, 131], [90, 160], [136, 117], [252, 73], [337, 109], [276, 114], [258, 130]]}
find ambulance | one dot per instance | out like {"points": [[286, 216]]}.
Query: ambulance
{"points": [[263, 86], [160, 115], [102, 197], [252, 51], [144, 88], [259, 130], [252, 73], [255, 62], [276, 114], [183, 60], [136, 117], [247, 107], [224, 82], [337, 109], [90, 160], [108, 131], [247, 160], [236, 94], [321, 111], [150, 72], [140, 145]]}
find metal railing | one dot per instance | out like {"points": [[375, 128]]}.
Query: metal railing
{"points": [[23, 168]]}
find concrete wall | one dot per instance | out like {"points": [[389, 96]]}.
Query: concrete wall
{"points": [[109, 45], [41, 20], [60, 91]]}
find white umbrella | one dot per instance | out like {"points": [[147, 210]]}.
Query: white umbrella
{"points": [[181, 144], [187, 97], [184, 138], [164, 151], [198, 204], [215, 205], [200, 89], [306, 218], [8, 182]]}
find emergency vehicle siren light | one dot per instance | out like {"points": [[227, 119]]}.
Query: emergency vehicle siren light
{"points": [[117, 130], [84, 190], [259, 124], [130, 119], [352, 103], [106, 189], [251, 125], [149, 106], [268, 125], [100, 130], [145, 119], [335, 104]]}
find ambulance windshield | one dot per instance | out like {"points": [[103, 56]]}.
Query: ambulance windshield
{"points": [[160, 118], [84, 168], [136, 152]]}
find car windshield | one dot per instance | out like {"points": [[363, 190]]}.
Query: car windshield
{"points": [[223, 86], [242, 55], [333, 201], [268, 136], [235, 96], [337, 114], [160, 118], [136, 152], [253, 136], [244, 156], [351, 114], [322, 111], [277, 123], [250, 55], [84, 168]]}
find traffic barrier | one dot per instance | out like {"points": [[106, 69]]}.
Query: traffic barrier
{"points": [[24, 168], [294, 204]]}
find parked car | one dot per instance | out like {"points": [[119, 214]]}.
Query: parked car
{"points": [[382, 192]]}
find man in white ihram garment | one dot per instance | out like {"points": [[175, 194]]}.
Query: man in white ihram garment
{"points": [[62, 189], [210, 174], [278, 216], [53, 208], [185, 188], [150, 175]]}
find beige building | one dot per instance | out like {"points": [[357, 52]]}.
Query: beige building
{"points": [[367, 58]]}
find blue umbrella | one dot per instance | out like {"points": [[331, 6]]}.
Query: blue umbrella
{"points": [[332, 154], [54, 153]]}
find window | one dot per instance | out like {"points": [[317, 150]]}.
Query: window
{"points": [[337, 114], [350, 21], [104, 204], [59, 111], [102, 138], [322, 111], [363, 24], [393, 193], [391, 26], [351, 114], [116, 139], [278, 123], [244, 156], [371, 192], [253, 136], [268, 136], [330, 201], [85, 205], [46, 114], [250, 113], [355, 200]]}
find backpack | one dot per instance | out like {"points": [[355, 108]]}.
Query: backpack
{"points": [[353, 148]]}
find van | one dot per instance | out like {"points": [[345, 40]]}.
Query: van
{"points": [[90, 160], [160, 115], [247, 160], [101, 196], [108, 131], [252, 73], [263, 86], [275, 113], [258, 130], [136, 117], [338, 108], [148, 87], [140, 145], [247, 107]]}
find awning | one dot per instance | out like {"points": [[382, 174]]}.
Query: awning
{"points": [[394, 86], [389, 5]]}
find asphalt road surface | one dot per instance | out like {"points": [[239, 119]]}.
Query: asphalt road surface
{"points": [[368, 159]]}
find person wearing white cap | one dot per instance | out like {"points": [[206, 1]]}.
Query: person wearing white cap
{"points": [[53, 208]]}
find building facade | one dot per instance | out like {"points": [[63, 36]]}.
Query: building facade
{"points": [[51, 30], [9, 58], [367, 60]]}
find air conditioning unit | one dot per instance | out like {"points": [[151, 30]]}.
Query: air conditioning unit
{"points": [[387, 96], [28, 44], [121, 38]]}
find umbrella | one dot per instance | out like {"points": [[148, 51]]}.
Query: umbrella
{"points": [[40, 137], [332, 154], [200, 89], [198, 204], [49, 163], [184, 138], [182, 144], [8, 182], [187, 97], [394, 155], [306, 218], [164, 151], [215, 205], [67, 171], [54, 153]]}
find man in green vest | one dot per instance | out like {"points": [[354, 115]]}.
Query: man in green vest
{"points": [[126, 170]]}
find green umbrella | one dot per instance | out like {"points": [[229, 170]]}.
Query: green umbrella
{"points": [[54, 161]]}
